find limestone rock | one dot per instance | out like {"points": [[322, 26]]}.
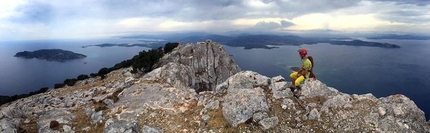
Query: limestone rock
{"points": [[208, 62], [121, 126], [55, 117], [246, 80], [314, 114], [97, 117], [268, 123], [7, 126], [240, 105], [287, 103], [338, 101], [280, 88], [206, 118], [148, 129], [259, 116], [313, 88]]}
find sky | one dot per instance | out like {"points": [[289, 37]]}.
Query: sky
{"points": [[60, 19]]}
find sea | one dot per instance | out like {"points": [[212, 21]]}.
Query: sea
{"points": [[349, 69]]}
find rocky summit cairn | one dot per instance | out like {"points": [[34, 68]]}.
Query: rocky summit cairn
{"points": [[199, 88]]}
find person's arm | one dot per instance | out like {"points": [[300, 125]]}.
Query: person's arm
{"points": [[304, 71]]}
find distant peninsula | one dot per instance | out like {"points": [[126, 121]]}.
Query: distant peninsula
{"points": [[118, 45], [58, 55], [401, 37], [264, 41]]}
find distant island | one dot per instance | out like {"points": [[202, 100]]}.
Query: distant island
{"points": [[50, 55], [401, 37]]}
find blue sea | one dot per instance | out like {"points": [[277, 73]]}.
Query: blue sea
{"points": [[350, 69]]}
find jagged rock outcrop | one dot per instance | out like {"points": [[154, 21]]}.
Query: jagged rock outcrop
{"points": [[167, 100], [208, 63]]}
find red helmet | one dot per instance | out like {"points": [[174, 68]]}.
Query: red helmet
{"points": [[303, 52]]}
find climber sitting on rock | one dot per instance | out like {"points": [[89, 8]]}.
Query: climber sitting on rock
{"points": [[305, 71]]}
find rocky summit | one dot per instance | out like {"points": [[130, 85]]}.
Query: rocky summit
{"points": [[199, 88]]}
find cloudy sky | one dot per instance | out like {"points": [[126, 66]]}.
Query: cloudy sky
{"points": [[54, 19]]}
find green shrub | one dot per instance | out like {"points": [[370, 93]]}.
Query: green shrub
{"points": [[70, 82], [83, 77], [58, 85], [170, 46], [103, 71]]}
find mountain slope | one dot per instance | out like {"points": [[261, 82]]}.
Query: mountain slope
{"points": [[230, 100]]}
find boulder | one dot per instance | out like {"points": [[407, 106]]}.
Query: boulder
{"points": [[97, 117], [148, 129], [50, 121], [240, 105], [268, 123], [121, 126]]}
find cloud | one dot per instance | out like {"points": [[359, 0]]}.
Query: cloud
{"points": [[80, 17], [285, 23], [406, 16], [263, 25], [410, 2], [34, 12]]}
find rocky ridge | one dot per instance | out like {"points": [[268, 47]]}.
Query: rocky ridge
{"points": [[199, 88]]}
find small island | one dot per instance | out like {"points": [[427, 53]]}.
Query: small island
{"points": [[50, 55]]}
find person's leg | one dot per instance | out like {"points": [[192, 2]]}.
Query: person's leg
{"points": [[298, 81], [293, 77]]}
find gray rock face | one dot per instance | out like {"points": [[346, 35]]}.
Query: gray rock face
{"points": [[121, 126], [7, 126], [401, 113], [208, 62]]}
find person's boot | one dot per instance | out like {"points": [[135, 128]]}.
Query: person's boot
{"points": [[292, 88], [297, 91]]}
